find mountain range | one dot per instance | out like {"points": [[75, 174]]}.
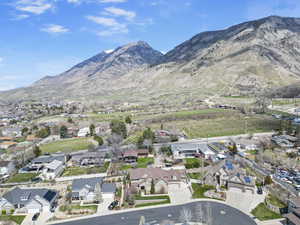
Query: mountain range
{"points": [[243, 59]]}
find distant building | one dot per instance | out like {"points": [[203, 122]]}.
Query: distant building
{"points": [[83, 132], [52, 170]]}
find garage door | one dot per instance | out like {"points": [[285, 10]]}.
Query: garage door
{"points": [[33, 211]]}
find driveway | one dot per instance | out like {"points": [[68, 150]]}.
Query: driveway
{"points": [[179, 194], [244, 201], [103, 207], [42, 219]]}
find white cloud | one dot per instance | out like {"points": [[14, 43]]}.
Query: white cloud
{"points": [[73, 1], [109, 51], [55, 29], [114, 27], [21, 17], [33, 6], [113, 11], [112, 1], [1, 59]]}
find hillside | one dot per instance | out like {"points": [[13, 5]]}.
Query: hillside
{"points": [[241, 59]]}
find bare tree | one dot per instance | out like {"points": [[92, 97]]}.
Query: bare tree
{"points": [[185, 215]]}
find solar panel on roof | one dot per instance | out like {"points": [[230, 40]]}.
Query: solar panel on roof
{"points": [[49, 195], [247, 179]]}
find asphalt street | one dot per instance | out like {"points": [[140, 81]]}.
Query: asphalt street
{"points": [[221, 214]]}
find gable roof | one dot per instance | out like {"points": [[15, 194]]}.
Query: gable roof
{"points": [[88, 183], [49, 158], [24, 195], [156, 173]]}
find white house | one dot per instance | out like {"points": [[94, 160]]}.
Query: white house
{"points": [[52, 170], [7, 168], [83, 132]]}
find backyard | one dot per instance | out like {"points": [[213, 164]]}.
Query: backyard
{"points": [[141, 163], [67, 145], [22, 177], [75, 171]]}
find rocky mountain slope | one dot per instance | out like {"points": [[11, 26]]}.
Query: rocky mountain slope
{"points": [[242, 59]]}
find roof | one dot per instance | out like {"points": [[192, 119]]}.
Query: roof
{"points": [[49, 158], [184, 147], [293, 218], [130, 153], [18, 195], [89, 183], [4, 163], [6, 138], [295, 201], [156, 173], [8, 143], [108, 188], [142, 151], [80, 156], [54, 164], [204, 148]]}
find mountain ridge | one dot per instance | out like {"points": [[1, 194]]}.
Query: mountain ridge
{"points": [[242, 59]]}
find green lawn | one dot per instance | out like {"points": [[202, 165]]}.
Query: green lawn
{"points": [[22, 177], [196, 176], [75, 171], [64, 208], [144, 162], [261, 212], [165, 199], [275, 201], [194, 163], [125, 167], [16, 219], [67, 145], [199, 190]]}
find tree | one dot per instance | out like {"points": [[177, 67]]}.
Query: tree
{"points": [[92, 129], [37, 151], [98, 194], [63, 131], [118, 127], [99, 140], [268, 180], [70, 120], [152, 189], [185, 215], [128, 120], [43, 132], [233, 149], [24, 131]]}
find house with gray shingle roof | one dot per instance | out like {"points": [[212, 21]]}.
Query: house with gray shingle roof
{"points": [[29, 200], [85, 189]]}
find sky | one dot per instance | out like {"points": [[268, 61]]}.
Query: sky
{"points": [[46, 37]]}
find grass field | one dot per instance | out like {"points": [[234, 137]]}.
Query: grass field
{"points": [[16, 219], [199, 190], [165, 199], [67, 145], [261, 212], [222, 126], [75, 171], [141, 163], [22, 177], [275, 201]]}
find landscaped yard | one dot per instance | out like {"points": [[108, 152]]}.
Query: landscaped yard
{"points": [[67, 145], [22, 177], [196, 176], [141, 163], [70, 208], [165, 199], [199, 190], [16, 219], [275, 201], [75, 171], [261, 212], [194, 163]]}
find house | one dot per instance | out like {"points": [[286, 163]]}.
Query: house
{"points": [[184, 150], [86, 189], [142, 179], [39, 163], [293, 215], [231, 175], [83, 132], [246, 145], [7, 168], [142, 153], [205, 151], [32, 138], [12, 131], [130, 156], [52, 170], [88, 159], [4, 139], [8, 144], [29, 200]]}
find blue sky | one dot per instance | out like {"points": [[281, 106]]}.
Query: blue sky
{"points": [[46, 37]]}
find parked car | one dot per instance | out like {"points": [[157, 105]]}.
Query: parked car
{"points": [[35, 216], [259, 191], [113, 205]]}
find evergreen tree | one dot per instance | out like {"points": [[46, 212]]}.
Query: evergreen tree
{"points": [[128, 120], [152, 189], [37, 151], [63, 131], [92, 129]]}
